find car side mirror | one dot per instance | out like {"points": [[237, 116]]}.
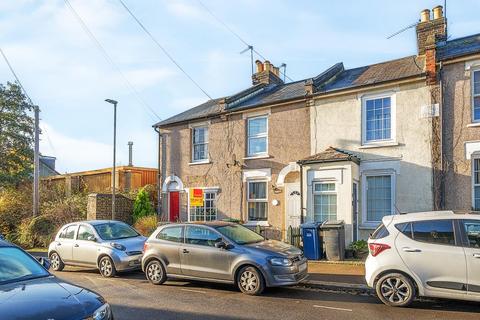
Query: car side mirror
{"points": [[91, 238], [220, 245], [44, 262]]}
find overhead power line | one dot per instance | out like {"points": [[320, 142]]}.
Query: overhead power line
{"points": [[226, 26], [163, 48], [109, 59], [15, 76]]}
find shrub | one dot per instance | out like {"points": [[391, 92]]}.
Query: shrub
{"points": [[142, 206], [37, 232], [146, 225], [15, 205]]}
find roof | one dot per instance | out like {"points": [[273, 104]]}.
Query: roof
{"points": [[331, 154], [459, 47], [99, 171], [392, 70], [333, 79], [416, 216]]}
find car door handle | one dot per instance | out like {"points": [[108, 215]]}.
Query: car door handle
{"points": [[185, 251], [59, 243], [407, 249], [476, 255], [76, 245]]}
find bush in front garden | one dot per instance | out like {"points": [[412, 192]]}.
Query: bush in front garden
{"points": [[146, 225], [37, 232], [142, 206]]}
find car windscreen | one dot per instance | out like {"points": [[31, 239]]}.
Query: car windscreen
{"points": [[115, 231], [240, 234], [16, 265]]}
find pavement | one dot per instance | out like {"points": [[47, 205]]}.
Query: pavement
{"points": [[133, 297]]}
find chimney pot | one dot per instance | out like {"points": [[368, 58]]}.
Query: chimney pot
{"points": [[425, 15], [259, 66], [267, 65], [437, 12]]}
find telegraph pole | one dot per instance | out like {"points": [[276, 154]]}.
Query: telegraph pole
{"points": [[36, 164], [114, 152]]}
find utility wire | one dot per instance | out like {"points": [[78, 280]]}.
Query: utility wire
{"points": [[236, 34], [108, 58], [163, 49], [15, 75]]}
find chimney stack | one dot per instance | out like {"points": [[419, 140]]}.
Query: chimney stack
{"points": [[130, 145], [430, 31], [266, 73]]}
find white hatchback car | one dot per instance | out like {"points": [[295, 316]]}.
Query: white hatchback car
{"points": [[429, 254]]}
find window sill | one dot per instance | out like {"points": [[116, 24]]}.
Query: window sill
{"points": [[199, 162], [264, 156], [473, 124], [379, 145], [369, 226], [257, 223]]}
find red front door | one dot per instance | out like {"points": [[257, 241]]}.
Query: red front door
{"points": [[174, 206]]}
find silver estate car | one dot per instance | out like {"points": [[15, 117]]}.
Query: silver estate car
{"points": [[221, 252], [108, 245]]}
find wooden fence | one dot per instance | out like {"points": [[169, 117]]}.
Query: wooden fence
{"points": [[294, 236]]}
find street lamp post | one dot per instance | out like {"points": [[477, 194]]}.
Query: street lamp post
{"points": [[114, 152]]}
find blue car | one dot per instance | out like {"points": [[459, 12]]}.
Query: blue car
{"points": [[29, 291]]}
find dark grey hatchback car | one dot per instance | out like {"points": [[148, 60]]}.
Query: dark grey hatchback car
{"points": [[221, 252], [29, 291]]}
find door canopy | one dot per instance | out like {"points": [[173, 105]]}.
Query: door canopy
{"points": [[292, 167]]}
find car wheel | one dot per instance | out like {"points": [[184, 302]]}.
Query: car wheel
{"points": [[155, 272], [56, 262], [396, 290], [250, 281], [106, 267]]}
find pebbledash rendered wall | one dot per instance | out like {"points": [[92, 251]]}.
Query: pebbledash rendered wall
{"points": [[458, 133], [288, 141]]}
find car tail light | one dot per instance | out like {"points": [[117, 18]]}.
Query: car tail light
{"points": [[377, 248], [145, 247]]}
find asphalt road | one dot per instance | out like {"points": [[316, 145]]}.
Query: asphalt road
{"points": [[133, 297]]}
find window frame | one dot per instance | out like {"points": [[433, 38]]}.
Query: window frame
{"points": [[393, 121], [193, 144], [185, 230], [205, 191], [474, 185], [456, 234], [472, 86], [261, 135], [264, 200], [92, 231], [376, 173], [329, 192], [75, 228]]}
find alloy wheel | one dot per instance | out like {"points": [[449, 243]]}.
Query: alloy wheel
{"points": [[106, 267], [154, 272], [249, 281], [395, 290], [55, 261]]}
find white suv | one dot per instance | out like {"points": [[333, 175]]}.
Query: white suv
{"points": [[429, 254]]}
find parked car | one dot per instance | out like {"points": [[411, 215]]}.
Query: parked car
{"points": [[29, 291], [108, 245], [429, 254], [221, 252]]}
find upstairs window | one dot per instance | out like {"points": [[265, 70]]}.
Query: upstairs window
{"points": [[476, 95], [257, 136], [476, 184], [377, 120], [199, 144]]}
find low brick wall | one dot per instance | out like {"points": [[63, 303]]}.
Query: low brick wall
{"points": [[99, 207]]}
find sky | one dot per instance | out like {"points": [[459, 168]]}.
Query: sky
{"points": [[67, 75]]}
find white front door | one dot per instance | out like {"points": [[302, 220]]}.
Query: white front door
{"points": [[292, 204]]}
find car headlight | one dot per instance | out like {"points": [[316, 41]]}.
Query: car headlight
{"points": [[118, 246], [283, 262], [102, 313]]}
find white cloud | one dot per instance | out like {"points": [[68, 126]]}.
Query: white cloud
{"points": [[75, 154]]}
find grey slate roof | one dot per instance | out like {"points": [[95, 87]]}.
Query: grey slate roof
{"points": [[459, 47], [333, 79]]}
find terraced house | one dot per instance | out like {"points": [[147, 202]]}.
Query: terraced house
{"points": [[348, 144]]}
